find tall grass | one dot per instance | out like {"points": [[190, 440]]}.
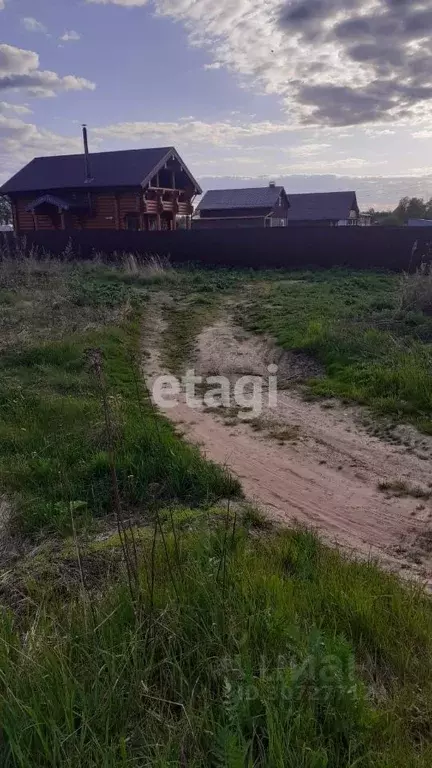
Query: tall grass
{"points": [[215, 647], [285, 656], [53, 442], [416, 290]]}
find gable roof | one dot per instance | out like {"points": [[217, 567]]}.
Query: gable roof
{"points": [[124, 168], [323, 206], [221, 199]]}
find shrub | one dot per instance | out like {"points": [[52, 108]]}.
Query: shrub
{"points": [[416, 290]]}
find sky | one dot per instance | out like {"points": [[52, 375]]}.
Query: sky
{"points": [[317, 95]]}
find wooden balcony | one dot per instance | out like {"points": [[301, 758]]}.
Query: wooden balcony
{"points": [[151, 206], [168, 206], [185, 209], [172, 205]]}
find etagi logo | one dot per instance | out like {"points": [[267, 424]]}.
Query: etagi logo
{"points": [[249, 394]]}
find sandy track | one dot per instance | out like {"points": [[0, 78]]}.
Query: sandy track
{"points": [[327, 476]]}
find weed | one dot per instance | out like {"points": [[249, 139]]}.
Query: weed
{"points": [[184, 321], [416, 290], [53, 447], [374, 353], [252, 517], [272, 661], [403, 488], [93, 291], [285, 434], [230, 648]]}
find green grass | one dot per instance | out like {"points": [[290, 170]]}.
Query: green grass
{"points": [[373, 352], [238, 645], [53, 438], [184, 321], [257, 652]]}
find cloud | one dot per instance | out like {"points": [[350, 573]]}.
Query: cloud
{"points": [[331, 62], [32, 25], [422, 134], [189, 131], [20, 142], [339, 105], [215, 65], [70, 36], [305, 150], [19, 109], [19, 69], [124, 3]]}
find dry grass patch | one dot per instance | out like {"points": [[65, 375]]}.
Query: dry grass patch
{"points": [[401, 488], [416, 290]]}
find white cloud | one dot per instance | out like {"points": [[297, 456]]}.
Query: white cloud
{"points": [[330, 62], [374, 131], [305, 52], [27, 140], [19, 69], [19, 109], [124, 3], [305, 150], [190, 131], [33, 25], [70, 36], [20, 142], [422, 134]]}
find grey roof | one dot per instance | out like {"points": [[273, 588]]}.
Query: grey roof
{"points": [[317, 206], [420, 222], [220, 199], [125, 168]]}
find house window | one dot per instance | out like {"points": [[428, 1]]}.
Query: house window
{"points": [[132, 221]]}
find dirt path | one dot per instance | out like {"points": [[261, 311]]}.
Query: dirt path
{"points": [[307, 462]]}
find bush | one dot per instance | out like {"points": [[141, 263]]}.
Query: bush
{"points": [[416, 290]]}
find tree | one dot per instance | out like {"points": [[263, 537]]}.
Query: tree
{"points": [[5, 211], [382, 218], [407, 208], [413, 208]]}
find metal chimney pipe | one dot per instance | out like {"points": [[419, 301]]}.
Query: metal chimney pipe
{"points": [[88, 176]]}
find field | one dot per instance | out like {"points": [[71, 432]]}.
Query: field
{"points": [[369, 330], [153, 616]]}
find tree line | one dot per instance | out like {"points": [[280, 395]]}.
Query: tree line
{"points": [[407, 208]]}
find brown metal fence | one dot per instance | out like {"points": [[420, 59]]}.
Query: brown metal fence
{"points": [[398, 248]]}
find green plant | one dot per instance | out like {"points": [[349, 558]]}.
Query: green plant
{"points": [[416, 290], [287, 654], [372, 351]]}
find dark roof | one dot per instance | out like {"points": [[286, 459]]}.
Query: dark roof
{"points": [[125, 168], [220, 199], [321, 206]]}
